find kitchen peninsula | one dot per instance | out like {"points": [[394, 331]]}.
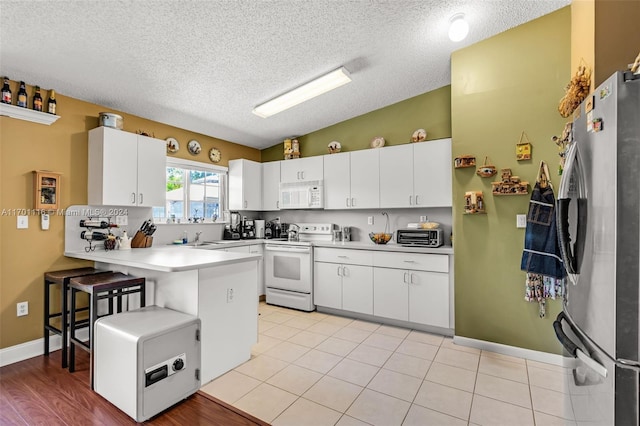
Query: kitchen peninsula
{"points": [[218, 287]]}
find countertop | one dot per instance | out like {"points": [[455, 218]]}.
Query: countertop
{"points": [[354, 245], [165, 259]]}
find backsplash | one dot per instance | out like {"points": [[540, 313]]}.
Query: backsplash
{"points": [[167, 233]]}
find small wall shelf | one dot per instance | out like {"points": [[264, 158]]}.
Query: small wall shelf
{"points": [[27, 114], [46, 190]]}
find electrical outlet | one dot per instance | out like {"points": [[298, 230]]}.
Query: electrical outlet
{"points": [[423, 219], [22, 309], [370, 220], [23, 222], [230, 295], [521, 221], [122, 220]]}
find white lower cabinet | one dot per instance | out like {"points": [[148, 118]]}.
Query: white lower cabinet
{"points": [[343, 279], [412, 287], [401, 286], [391, 294], [429, 298]]}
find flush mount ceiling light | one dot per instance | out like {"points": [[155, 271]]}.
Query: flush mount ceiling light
{"points": [[303, 93], [459, 27]]}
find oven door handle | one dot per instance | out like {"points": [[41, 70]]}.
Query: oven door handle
{"points": [[289, 249]]}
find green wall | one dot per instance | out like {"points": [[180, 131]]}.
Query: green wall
{"points": [[500, 87], [395, 123]]}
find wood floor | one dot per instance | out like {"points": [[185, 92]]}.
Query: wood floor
{"points": [[38, 391]]}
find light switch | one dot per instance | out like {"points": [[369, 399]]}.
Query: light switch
{"points": [[23, 222], [521, 221]]}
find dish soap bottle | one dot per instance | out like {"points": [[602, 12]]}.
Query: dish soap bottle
{"points": [[184, 237]]}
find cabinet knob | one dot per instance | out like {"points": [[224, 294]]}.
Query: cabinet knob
{"points": [[140, 198], [410, 200], [406, 278], [133, 198], [417, 202]]}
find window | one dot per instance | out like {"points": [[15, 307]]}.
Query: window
{"points": [[194, 190]]}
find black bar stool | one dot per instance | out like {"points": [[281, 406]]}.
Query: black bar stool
{"points": [[110, 286], [62, 278]]}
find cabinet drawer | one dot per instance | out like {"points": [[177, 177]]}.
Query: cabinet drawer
{"points": [[351, 257], [415, 261]]}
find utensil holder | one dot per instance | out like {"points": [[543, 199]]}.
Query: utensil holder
{"points": [[140, 240]]}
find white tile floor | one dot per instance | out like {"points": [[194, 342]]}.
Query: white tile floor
{"points": [[318, 369]]}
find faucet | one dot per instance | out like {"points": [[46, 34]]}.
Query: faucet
{"points": [[196, 241]]}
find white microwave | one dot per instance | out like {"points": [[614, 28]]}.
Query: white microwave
{"points": [[302, 195]]}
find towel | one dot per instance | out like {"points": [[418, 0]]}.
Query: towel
{"points": [[541, 258]]}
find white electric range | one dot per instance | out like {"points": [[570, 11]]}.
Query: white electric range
{"points": [[289, 267]]}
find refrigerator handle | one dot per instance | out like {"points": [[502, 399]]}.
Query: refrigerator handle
{"points": [[573, 349], [572, 257]]}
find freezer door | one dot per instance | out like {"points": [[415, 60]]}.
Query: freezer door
{"points": [[599, 391], [599, 218]]}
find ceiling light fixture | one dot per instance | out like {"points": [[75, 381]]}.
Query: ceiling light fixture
{"points": [[459, 27], [303, 93]]}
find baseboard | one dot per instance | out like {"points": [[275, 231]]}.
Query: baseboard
{"points": [[34, 348], [532, 355]]}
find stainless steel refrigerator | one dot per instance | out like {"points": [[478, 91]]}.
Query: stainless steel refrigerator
{"points": [[598, 216]]}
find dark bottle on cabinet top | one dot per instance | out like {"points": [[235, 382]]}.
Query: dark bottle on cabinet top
{"points": [[37, 100], [22, 95], [51, 106], [6, 92]]}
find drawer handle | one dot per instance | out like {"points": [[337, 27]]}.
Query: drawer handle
{"points": [[343, 256], [409, 261]]}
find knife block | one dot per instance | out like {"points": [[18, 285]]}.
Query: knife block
{"points": [[140, 240]]}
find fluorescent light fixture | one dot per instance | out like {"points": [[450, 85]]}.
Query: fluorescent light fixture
{"points": [[303, 93], [459, 27]]}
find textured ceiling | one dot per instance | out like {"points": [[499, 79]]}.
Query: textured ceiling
{"points": [[203, 65]]}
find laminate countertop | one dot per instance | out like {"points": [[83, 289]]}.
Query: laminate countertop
{"points": [[165, 259], [353, 245]]}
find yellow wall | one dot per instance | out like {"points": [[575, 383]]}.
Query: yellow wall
{"points": [[26, 254], [604, 35], [500, 87]]}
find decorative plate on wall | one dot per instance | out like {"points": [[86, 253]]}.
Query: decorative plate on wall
{"points": [[377, 142], [215, 155], [172, 145], [194, 147]]}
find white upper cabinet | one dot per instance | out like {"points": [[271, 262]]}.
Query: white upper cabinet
{"points": [[432, 171], [396, 176], [365, 179], [270, 185], [245, 185], [416, 175], [351, 180], [337, 176], [302, 169], [125, 169]]}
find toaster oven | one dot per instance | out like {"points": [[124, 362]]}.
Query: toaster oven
{"points": [[420, 237]]}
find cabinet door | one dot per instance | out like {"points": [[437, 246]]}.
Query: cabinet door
{"points": [[245, 185], [432, 173], [152, 163], [302, 169], [357, 289], [337, 193], [112, 168], [270, 185], [258, 249], [365, 179], [429, 298], [390, 293], [396, 176], [327, 285]]}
